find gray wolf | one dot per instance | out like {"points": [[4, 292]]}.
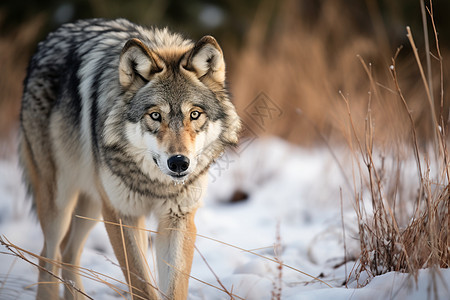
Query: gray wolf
{"points": [[122, 121]]}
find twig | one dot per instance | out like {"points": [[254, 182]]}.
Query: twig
{"points": [[199, 280], [327, 144], [427, 90], [11, 247], [278, 284], [393, 70], [215, 240], [427, 49], [343, 235], [443, 122], [262, 256], [214, 273]]}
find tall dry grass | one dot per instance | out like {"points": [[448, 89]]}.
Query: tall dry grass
{"points": [[414, 235], [302, 66], [350, 84]]}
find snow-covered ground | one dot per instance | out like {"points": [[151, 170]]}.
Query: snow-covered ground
{"points": [[292, 214]]}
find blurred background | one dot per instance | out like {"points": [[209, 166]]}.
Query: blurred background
{"points": [[290, 64]]}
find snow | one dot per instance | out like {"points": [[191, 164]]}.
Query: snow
{"points": [[291, 190]]}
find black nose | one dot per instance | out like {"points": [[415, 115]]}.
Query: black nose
{"points": [[178, 163]]}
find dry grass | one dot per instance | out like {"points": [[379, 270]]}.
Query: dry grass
{"points": [[393, 237], [114, 283], [277, 285], [343, 82], [302, 67]]}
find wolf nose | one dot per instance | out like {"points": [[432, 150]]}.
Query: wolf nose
{"points": [[178, 163]]}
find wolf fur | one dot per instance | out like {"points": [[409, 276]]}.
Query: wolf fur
{"points": [[121, 121]]}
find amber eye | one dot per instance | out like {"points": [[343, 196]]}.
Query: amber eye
{"points": [[156, 116], [195, 115]]}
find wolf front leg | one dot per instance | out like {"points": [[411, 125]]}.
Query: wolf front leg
{"points": [[131, 239], [174, 250]]}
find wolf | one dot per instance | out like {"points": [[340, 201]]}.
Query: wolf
{"points": [[122, 121]]}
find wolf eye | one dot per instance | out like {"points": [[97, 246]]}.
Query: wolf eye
{"points": [[195, 115], [156, 116]]}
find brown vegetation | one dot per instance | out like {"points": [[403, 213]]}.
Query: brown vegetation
{"points": [[333, 79], [303, 67]]}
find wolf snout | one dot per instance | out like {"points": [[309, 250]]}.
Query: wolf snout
{"points": [[178, 163]]}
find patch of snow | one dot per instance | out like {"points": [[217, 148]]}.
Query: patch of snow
{"points": [[290, 187]]}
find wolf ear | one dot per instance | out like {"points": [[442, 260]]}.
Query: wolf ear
{"points": [[137, 64], [206, 60]]}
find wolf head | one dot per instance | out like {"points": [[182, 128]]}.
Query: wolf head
{"points": [[178, 114]]}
